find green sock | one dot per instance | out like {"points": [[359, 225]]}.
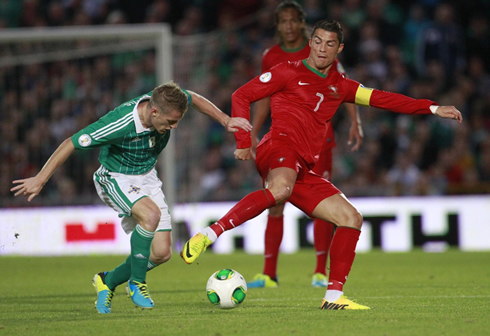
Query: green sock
{"points": [[121, 273], [140, 253]]}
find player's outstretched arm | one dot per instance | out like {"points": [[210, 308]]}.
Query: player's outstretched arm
{"points": [[205, 106], [449, 112], [31, 187], [356, 134]]}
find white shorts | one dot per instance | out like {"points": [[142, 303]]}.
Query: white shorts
{"points": [[121, 192]]}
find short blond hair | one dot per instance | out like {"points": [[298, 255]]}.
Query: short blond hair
{"points": [[169, 96]]}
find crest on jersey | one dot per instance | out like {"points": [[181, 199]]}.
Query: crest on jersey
{"points": [[334, 91], [265, 77], [84, 140], [134, 189]]}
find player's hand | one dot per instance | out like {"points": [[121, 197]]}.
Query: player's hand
{"points": [[30, 187], [449, 112], [234, 124], [356, 136], [244, 154]]}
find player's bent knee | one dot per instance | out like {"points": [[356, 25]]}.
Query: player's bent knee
{"points": [[281, 194], [355, 220], [160, 257]]}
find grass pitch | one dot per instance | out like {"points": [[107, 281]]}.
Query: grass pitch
{"points": [[410, 294]]}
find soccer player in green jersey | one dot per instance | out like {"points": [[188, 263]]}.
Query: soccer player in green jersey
{"points": [[131, 137]]}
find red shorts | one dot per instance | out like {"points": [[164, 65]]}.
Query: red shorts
{"points": [[310, 188]]}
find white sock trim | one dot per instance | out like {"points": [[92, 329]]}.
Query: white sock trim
{"points": [[333, 295], [209, 233]]}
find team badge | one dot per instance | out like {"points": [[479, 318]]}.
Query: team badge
{"points": [[134, 189], [334, 91], [265, 77], [84, 140]]}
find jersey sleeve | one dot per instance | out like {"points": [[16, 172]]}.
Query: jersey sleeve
{"points": [[258, 88], [395, 102], [110, 128]]}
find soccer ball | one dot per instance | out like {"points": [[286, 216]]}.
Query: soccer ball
{"points": [[226, 288]]}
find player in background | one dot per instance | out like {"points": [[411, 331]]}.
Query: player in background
{"points": [[304, 96], [131, 137], [293, 46]]}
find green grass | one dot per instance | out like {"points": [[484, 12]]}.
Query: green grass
{"points": [[410, 294]]}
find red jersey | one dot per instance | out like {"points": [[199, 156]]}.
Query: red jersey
{"points": [[303, 100], [278, 54]]}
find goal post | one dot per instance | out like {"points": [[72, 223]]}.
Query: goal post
{"points": [[68, 43]]}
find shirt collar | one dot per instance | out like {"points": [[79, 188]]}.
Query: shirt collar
{"points": [[137, 121]]}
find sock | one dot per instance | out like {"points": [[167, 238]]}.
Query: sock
{"points": [[273, 238], [151, 265], [121, 273], [140, 253], [209, 232], [342, 254], [333, 295], [249, 207], [322, 238]]}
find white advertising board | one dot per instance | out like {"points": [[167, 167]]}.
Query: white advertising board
{"points": [[391, 224]]}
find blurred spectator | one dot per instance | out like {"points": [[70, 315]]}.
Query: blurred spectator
{"points": [[436, 51], [442, 42]]}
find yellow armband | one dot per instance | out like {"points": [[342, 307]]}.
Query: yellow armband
{"points": [[363, 95]]}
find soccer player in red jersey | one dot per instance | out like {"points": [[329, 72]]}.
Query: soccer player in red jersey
{"points": [[293, 46], [304, 96]]}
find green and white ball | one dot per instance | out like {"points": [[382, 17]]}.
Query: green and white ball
{"points": [[226, 288]]}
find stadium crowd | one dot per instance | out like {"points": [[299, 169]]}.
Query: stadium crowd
{"points": [[426, 49]]}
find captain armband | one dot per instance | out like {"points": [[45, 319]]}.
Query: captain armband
{"points": [[363, 95]]}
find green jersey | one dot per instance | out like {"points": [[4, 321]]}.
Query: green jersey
{"points": [[127, 147]]}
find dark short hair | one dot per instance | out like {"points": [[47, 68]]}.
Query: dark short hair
{"points": [[290, 4], [330, 26], [169, 96]]}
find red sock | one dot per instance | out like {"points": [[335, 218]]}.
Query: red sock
{"points": [[249, 207], [342, 254], [322, 238], [273, 239]]}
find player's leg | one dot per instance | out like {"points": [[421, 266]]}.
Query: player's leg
{"points": [[161, 246], [125, 194], [153, 214], [322, 238], [322, 231], [278, 167], [319, 198], [338, 209], [280, 184], [147, 213], [161, 249], [113, 191], [272, 242]]}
